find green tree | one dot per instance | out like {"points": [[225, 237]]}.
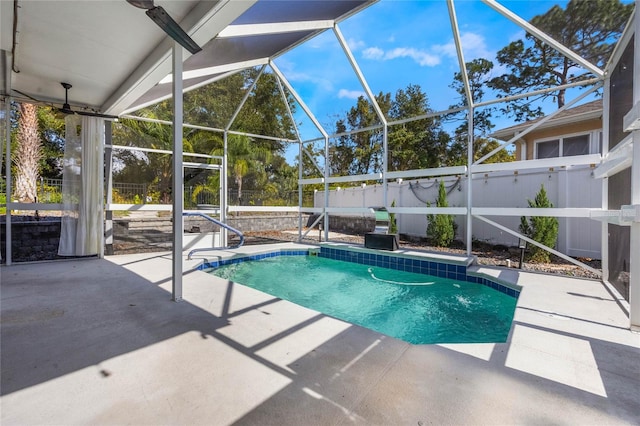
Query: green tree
{"points": [[157, 168], [254, 162], [416, 144], [413, 145], [478, 73], [589, 28], [51, 130], [440, 228], [541, 229], [359, 153]]}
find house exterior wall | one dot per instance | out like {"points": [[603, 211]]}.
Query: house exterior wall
{"points": [[529, 139]]}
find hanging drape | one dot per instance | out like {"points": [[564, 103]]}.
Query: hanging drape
{"points": [[82, 187]]}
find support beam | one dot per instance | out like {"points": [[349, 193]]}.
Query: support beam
{"points": [[326, 188], [177, 187], [107, 246], [542, 246], [469, 96], [358, 72], [8, 189], [224, 190], [298, 99], [541, 35], [539, 123], [634, 246]]}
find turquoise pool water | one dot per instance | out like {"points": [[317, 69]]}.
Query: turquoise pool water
{"points": [[416, 308]]}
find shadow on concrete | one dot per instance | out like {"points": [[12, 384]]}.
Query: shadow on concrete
{"points": [[53, 327]]}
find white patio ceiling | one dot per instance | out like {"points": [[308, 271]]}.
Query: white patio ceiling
{"points": [[115, 56]]}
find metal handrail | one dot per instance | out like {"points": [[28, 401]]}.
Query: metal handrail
{"points": [[223, 225]]}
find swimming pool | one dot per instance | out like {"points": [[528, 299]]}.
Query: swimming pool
{"points": [[397, 300]]}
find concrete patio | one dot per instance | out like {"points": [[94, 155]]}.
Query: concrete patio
{"points": [[100, 342]]}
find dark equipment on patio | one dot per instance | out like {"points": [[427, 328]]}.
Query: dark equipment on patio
{"points": [[380, 238]]}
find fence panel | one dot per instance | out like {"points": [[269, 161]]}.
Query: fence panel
{"points": [[570, 187]]}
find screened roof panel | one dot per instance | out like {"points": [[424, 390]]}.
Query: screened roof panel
{"points": [[278, 11], [240, 49], [266, 30]]}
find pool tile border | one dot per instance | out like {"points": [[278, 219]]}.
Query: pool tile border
{"points": [[398, 262]]}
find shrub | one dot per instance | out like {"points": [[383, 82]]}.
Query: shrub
{"points": [[393, 227], [440, 228], [543, 230]]}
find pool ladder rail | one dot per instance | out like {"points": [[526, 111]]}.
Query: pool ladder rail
{"points": [[222, 225]]}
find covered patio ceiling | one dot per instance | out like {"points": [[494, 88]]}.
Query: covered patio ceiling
{"points": [[118, 60]]}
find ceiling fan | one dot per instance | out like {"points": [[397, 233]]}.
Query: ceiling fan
{"points": [[66, 108], [168, 25]]}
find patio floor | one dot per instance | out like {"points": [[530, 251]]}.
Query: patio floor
{"points": [[100, 342]]}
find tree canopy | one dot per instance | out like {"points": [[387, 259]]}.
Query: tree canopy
{"points": [[213, 105], [478, 72], [589, 28], [361, 153]]}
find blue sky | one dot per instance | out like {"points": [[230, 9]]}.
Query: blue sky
{"points": [[397, 43]]}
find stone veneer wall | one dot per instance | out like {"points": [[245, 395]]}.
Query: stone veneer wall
{"points": [[38, 239], [32, 239], [352, 224]]}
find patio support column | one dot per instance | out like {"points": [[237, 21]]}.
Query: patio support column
{"points": [[177, 189], [8, 189], [469, 240], [300, 187], [224, 189], [326, 188], [469, 96], [385, 164], [106, 247], [634, 246], [604, 230]]}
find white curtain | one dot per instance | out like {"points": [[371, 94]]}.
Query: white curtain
{"points": [[82, 187]]}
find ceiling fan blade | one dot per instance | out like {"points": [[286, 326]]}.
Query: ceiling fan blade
{"points": [[142, 4], [171, 27], [96, 114]]}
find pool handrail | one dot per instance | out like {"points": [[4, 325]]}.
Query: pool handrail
{"points": [[223, 225]]}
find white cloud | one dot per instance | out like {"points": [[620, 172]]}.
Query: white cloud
{"points": [[373, 53], [473, 46], [355, 44], [423, 58], [350, 94]]}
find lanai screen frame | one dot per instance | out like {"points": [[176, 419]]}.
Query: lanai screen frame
{"points": [[472, 167]]}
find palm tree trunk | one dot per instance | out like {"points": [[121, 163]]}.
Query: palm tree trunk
{"points": [[27, 155]]}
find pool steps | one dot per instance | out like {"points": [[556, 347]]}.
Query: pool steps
{"points": [[457, 270]]}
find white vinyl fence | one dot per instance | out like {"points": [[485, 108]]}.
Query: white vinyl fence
{"points": [[569, 187]]}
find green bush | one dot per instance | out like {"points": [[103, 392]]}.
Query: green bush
{"points": [[543, 230], [393, 226], [440, 228]]}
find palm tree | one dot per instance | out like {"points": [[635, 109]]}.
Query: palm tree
{"points": [[27, 155]]}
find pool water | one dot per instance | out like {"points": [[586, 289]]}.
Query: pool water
{"points": [[416, 308]]}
